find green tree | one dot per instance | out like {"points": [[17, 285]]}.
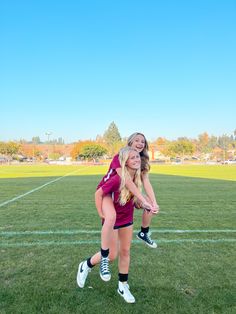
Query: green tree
{"points": [[77, 148], [36, 140], [2, 148], [54, 156], [60, 140], [92, 152], [224, 142], [212, 143], [180, 148], [112, 138], [203, 143], [9, 149]]}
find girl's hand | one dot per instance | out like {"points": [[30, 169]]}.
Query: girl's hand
{"points": [[147, 206], [155, 209], [100, 214]]}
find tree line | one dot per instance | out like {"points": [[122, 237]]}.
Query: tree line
{"points": [[106, 145]]}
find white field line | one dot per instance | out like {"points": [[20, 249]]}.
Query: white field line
{"points": [[70, 243], [36, 189], [74, 232]]}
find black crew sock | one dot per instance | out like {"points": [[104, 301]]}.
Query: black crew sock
{"points": [[123, 277], [89, 263], [104, 253], [144, 230]]}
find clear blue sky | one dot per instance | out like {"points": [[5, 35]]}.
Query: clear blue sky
{"points": [[165, 68]]}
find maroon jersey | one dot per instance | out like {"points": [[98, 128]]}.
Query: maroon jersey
{"points": [[124, 213], [115, 163]]}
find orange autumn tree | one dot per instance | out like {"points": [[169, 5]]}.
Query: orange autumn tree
{"points": [[203, 143], [160, 145], [79, 147]]}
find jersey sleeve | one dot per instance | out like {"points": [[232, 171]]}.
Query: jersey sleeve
{"points": [[115, 163], [111, 185]]}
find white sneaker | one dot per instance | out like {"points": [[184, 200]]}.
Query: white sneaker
{"points": [[82, 273], [123, 290], [104, 269]]}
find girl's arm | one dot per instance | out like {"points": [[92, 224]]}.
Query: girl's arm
{"points": [[149, 190], [98, 201], [135, 191]]}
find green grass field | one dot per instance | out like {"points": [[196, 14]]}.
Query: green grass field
{"points": [[48, 224]]}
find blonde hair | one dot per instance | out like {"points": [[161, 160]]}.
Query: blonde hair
{"points": [[125, 194], [145, 166]]}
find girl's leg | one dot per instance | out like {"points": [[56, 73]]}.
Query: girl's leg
{"points": [[109, 222], [96, 258], [146, 219], [86, 266], [125, 238], [143, 233], [147, 216], [106, 236]]}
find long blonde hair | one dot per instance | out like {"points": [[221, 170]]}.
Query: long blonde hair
{"points": [[145, 166], [125, 194]]}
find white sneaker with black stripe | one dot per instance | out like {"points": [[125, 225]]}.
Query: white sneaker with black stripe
{"points": [[123, 290], [104, 269], [82, 273], [146, 238]]}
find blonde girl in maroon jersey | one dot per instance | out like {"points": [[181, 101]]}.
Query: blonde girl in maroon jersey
{"points": [[105, 204], [121, 234]]}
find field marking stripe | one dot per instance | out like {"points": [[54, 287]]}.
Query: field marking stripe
{"points": [[60, 243], [74, 232], [38, 188]]}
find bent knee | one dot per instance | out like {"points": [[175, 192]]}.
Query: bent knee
{"points": [[110, 221], [109, 214]]}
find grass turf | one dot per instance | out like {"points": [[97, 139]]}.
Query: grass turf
{"points": [[186, 274]]}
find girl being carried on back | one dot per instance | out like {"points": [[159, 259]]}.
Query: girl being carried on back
{"points": [[121, 235], [105, 205]]}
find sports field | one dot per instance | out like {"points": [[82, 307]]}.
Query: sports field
{"points": [[48, 224]]}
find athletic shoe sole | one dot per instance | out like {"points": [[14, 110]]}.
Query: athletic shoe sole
{"points": [[77, 278], [105, 278]]}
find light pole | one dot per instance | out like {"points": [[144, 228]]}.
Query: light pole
{"points": [[48, 135]]}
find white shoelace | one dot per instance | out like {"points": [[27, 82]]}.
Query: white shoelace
{"points": [[105, 265]]}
